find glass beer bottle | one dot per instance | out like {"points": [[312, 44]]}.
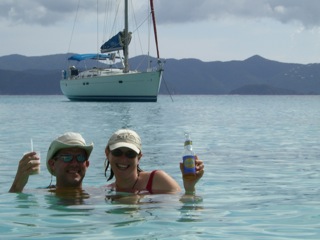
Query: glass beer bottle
{"points": [[188, 159]]}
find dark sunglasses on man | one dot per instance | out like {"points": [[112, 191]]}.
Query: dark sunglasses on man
{"points": [[69, 157]]}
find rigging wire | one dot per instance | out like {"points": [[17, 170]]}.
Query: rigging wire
{"points": [[107, 32], [98, 27], [74, 24], [165, 83], [114, 21], [136, 24], [106, 17]]}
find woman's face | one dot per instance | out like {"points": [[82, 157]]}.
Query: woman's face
{"points": [[124, 161]]}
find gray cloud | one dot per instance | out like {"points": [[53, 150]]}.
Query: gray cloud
{"points": [[170, 11], [306, 12], [41, 12]]}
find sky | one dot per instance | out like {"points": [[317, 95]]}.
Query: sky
{"points": [[208, 30]]}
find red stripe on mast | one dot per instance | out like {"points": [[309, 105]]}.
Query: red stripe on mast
{"points": [[154, 27]]}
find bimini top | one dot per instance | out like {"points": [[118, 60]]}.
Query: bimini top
{"points": [[95, 56]]}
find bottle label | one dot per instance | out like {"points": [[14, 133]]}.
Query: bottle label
{"points": [[189, 164]]}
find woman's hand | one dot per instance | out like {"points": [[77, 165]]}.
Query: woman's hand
{"points": [[189, 183]]}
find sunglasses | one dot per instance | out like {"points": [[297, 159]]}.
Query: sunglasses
{"points": [[129, 154], [68, 157]]}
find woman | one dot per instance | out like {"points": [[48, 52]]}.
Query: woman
{"points": [[123, 153]]}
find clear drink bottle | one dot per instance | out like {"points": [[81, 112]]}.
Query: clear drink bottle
{"points": [[188, 158]]}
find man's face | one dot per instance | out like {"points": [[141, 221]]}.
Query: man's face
{"points": [[70, 166]]}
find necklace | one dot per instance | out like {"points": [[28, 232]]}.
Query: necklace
{"points": [[119, 188], [135, 182]]}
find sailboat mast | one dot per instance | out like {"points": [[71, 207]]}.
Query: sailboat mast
{"points": [[126, 38], [154, 27]]}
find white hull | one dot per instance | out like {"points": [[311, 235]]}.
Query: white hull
{"points": [[132, 86]]}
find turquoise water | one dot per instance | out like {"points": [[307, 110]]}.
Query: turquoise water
{"points": [[261, 157]]}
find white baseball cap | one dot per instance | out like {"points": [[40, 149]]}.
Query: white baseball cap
{"points": [[125, 138]]}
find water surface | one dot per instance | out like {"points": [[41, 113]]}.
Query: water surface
{"points": [[261, 157]]}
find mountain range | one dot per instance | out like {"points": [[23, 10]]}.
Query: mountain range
{"points": [[20, 75]]}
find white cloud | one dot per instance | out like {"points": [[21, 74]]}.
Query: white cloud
{"points": [[280, 9]]}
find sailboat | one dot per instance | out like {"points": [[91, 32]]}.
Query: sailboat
{"points": [[110, 83]]}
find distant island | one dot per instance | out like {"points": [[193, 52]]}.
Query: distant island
{"points": [[21, 75]]}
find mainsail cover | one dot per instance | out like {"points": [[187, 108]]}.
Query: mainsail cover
{"points": [[115, 43]]}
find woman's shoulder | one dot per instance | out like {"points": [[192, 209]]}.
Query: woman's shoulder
{"points": [[148, 174], [160, 175]]}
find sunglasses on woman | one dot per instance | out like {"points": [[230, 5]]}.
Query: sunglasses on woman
{"points": [[129, 154], [68, 157]]}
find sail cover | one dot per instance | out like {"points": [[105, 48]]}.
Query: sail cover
{"points": [[80, 57], [115, 43]]}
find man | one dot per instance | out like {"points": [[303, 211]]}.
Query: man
{"points": [[67, 160]]}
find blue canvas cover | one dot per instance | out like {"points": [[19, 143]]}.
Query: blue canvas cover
{"points": [[95, 56]]}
